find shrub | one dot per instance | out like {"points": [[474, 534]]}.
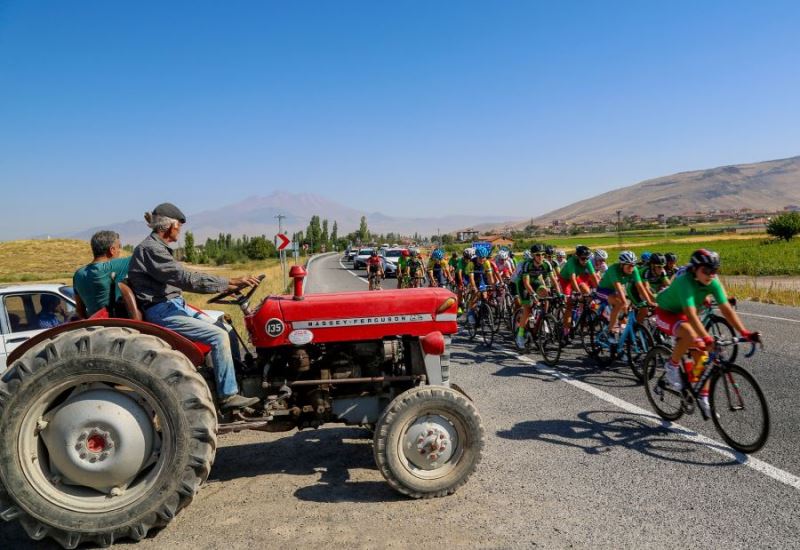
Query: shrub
{"points": [[784, 226]]}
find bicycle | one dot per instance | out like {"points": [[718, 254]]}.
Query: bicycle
{"points": [[374, 281], [480, 319], [584, 315], [542, 330], [733, 392], [499, 299], [632, 343]]}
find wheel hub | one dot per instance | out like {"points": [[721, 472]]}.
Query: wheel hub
{"points": [[430, 442], [100, 439]]}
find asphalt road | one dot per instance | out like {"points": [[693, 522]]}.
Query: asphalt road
{"points": [[574, 458]]}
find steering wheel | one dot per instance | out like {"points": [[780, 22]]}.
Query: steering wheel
{"points": [[236, 293]]}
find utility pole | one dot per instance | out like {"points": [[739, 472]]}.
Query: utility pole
{"points": [[619, 228], [282, 253]]}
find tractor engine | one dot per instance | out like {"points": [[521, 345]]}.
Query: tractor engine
{"points": [[300, 384]]}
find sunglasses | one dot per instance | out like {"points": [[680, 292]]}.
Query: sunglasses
{"points": [[537, 254], [708, 270]]}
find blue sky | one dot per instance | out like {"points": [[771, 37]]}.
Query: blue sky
{"points": [[422, 108]]}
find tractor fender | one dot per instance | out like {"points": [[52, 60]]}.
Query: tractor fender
{"points": [[175, 340]]}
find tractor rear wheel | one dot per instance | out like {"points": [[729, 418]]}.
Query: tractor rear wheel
{"points": [[428, 441], [105, 433]]}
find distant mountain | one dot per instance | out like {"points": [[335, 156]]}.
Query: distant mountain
{"points": [[769, 185], [257, 215]]}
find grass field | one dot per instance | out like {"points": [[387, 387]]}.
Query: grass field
{"points": [[55, 259], [741, 254]]}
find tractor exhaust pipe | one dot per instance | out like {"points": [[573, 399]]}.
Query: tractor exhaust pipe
{"points": [[298, 273]]}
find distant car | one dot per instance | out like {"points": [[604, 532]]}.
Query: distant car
{"points": [[27, 310], [389, 269], [392, 255], [351, 254], [360, 261]]}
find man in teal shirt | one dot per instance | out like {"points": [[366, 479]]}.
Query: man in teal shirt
{"points": [[92, 282]]}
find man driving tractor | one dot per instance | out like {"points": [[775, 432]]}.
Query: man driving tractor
{"points": [[158, 279]]}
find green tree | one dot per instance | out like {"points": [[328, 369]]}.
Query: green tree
{"points": [[324, 236], [784, 226], [335, 232], [363, 230], [190, 252], [259, 248]]}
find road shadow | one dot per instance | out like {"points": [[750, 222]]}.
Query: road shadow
{"points": [[599, 432], [330, 453]]}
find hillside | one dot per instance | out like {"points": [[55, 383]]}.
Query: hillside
{"points": [[257, 215], [769, 185]]}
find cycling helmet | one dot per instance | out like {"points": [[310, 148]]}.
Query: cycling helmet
{"points": [[627, 257], [503, 254], [437, 254], [658, 259], [413, 252], [483, 253], [527, 255], [671, 257], [549, 250], [582, 251], [705, 258], [561, 254], [601, 254], [537, 249], [405, 253], [373, 253], [646, 256], [469, 253]]}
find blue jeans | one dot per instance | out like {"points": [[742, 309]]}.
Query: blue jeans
{"points": [[199, 327]]}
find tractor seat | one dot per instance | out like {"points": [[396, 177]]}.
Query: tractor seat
{"points": [[130, 302]]}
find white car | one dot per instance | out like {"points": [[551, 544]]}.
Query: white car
{"points": [[360, 261], [27, 310], [392, 255]]}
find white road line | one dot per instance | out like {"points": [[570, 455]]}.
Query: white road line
{"points": [[716, 446], [768, 317], [356, 275]]}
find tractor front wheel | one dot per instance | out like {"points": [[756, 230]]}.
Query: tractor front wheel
{"points": [[429, 441], [105, 433]]}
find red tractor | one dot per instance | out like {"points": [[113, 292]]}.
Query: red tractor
{"points": [[108, 427]]}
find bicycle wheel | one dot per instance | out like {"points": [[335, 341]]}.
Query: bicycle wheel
{"points": [[549, 340], [471, 322], [604, 351], [666, 402], [636, 348], [585, 330], [486, 324], [739, 409], [719, 327]]}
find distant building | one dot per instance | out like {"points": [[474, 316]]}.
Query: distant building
{"points": [[792, 208], [497, 240], [467, 235]]}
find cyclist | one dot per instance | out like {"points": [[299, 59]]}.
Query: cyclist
{"points": [[561, 258], [533, 280], [550, 257], [481, 275], [599, 261], [402, 263], [677, 315], [655, 275], [438, 269], [576, 275], [612, 287], [644, 260], [503, 265], [672, 261], [415, 267], [374, 270]]}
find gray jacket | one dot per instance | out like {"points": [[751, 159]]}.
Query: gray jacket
{"points": [[156, 276]]}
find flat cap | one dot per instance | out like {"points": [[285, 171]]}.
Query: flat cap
{"points": [[170, 211]]}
